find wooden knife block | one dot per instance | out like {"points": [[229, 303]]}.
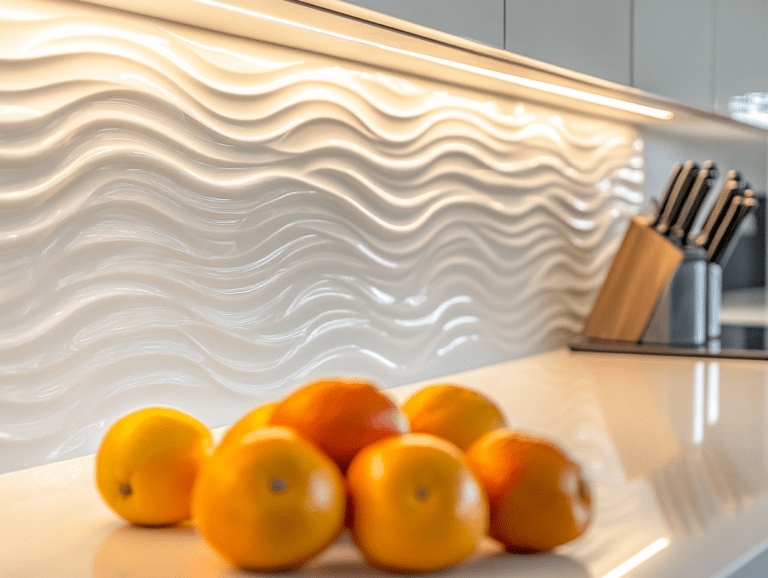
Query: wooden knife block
{"points": [[643, 265]]}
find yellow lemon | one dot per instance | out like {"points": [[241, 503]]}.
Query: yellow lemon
{"points": [[147, 464]]}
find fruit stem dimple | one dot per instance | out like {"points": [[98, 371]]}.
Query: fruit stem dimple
{"points": [[125, 490], [277, 485], [584, 494], [422, 493]]}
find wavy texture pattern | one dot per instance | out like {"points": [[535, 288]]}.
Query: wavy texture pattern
{"points": [[198, 220]]}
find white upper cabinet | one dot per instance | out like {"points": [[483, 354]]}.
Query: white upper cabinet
{"points": [[700, 52], [741, 54], [590, 36], [480, 20], [673, 49], [703, 52]]}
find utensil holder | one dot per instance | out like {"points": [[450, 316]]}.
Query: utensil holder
{"points": [[687, 312], [642, 266]]}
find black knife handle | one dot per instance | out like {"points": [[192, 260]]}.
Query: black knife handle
{"points": [[701, 186], [738, 210], [667, 191], [677, 197], [716, 214]]}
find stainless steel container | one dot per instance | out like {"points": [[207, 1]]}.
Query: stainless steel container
{"points": [[687, 312]]}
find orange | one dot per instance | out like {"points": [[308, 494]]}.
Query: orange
{"points": [[340, 416], [269, 500], [538, 496], [415, 504], [452, 412], [147, 464], [258, 417]]}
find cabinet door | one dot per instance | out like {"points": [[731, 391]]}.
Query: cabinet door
{"points": [[481, 20], [590, 36], [673, 45], [741, 66]]}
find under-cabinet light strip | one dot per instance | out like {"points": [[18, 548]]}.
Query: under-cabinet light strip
{"points": [[550, 88]]}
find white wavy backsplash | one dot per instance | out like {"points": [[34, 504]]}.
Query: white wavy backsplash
{"points": [[203, 221]]}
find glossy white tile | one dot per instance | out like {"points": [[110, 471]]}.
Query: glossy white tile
{"points": [[199, 220]]}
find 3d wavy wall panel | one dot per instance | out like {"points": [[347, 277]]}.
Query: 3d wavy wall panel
{"points": [[193, 219]]}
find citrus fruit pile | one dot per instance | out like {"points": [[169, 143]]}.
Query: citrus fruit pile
{"points": [[417, 486]]}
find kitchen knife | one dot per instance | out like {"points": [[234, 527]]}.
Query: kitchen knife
{"points": [[666, 192], [677, 197], [737, 211], [715, 217], [701, 186]]}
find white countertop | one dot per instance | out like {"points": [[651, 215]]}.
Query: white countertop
{"points": [[677, 450]]}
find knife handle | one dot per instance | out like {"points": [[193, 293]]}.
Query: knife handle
{"points": [[677, 197], [715, 216], [666, 192], [735, 215], [701, 186]]}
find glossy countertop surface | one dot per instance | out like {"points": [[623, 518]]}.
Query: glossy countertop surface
{"points": [[676, 449]]}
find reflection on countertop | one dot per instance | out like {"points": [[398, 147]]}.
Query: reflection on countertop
{"points": [[676, 449], [141, 552]]}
